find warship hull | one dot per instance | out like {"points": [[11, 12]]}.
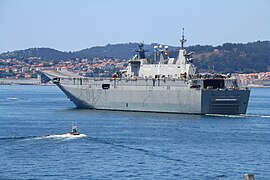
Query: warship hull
{"points": [[167, 96], [169, 86]]}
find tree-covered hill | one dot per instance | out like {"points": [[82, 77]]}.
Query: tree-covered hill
{"points": [[43, 53], [229, 57], [241, 58], [119, 51]]}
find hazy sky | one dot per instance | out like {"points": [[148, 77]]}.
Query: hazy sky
{"points": [[72, 25]]}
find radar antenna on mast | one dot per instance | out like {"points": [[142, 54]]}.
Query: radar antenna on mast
{"points": [[141, 51], [183, 40]]}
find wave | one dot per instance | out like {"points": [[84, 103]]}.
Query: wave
{"points": [[258, 115], [227, 115], [16, 138], [55, 136], [12, 98], [265, 116], [61, 136], [140, 149], [240, 115]]}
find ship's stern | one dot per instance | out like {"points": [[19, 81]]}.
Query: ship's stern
{"points": [[224, 101]]}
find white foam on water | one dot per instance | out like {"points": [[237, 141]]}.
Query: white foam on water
{"points": [[12, 98], [258, 115], [226, 115], [240, 115], [62, 136], [265, 116]]}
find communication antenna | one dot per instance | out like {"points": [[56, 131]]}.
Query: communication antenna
{"points": [[183, 40]]}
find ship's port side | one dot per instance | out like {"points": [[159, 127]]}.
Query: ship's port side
{"points": [[199, 96], [133, 95]]}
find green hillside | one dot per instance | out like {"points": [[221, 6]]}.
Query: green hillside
{"points": [[229, 57]]}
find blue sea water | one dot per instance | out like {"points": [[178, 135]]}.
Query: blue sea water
{"points": [[128, 145]]}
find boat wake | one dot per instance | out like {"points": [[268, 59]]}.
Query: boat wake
{"points": [[48, 137], [12, 98], [61, 136], [240, 115], [227, 115], [140, 149], [258, 115]]}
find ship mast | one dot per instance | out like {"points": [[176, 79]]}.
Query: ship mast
{"points": [[183, 40]]}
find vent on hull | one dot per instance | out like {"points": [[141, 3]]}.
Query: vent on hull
{"points": [[224, 105]]}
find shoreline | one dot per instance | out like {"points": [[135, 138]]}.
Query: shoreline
{"points": [[13, 81], [26, 84]]}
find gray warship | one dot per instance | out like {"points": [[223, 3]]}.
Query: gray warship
{"points": [[170, 85]]}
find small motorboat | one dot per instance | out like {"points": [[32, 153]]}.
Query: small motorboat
{"points": [[74, 130]]}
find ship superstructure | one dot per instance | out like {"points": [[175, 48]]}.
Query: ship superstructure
{"points": [[170, 85]]}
